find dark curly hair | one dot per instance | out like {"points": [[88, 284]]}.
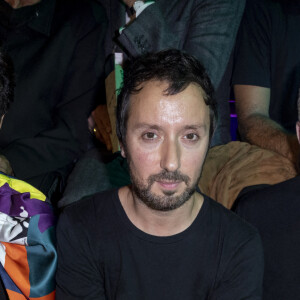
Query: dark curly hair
{"points": [[6, 83], [173, 66]]}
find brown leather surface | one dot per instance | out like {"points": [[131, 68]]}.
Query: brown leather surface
{"points": [[230, 168]]}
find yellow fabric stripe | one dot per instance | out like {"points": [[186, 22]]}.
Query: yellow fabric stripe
{"points": [[22, 187]]}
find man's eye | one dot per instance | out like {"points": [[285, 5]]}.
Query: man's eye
{"points": [[150, 136], [191, 137]]}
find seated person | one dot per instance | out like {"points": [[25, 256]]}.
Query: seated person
{"points": [[267, 75], [275, 211], [27, 236], [159, 238], [56, 49]]}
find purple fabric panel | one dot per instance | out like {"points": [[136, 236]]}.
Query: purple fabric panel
{"points": [[46, 221], [11, 202], [5, 195]]}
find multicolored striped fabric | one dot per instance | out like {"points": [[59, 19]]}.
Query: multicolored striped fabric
{"points": [[27, 241]]}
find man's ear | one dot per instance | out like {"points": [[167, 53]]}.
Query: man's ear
{"points": [[1, 121], [122, 150], [298, 130]]}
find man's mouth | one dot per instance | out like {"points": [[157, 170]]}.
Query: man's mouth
{"points": [[168, 184]]}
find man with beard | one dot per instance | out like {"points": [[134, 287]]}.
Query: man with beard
{"points": [[203, 28], [159, 238]]}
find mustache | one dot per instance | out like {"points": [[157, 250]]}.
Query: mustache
{"points": [[170, 176]]}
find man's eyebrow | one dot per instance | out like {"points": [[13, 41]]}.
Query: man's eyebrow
{"points": [[146, 126], [196, 127], [156, 127]]}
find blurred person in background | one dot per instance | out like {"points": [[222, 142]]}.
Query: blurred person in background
{"points": [[27, 236], [266, 76], [56, 49]]}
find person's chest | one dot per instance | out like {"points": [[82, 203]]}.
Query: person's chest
{"points": [[141, 269]]}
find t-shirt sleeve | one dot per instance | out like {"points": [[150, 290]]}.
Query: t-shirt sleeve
{"points": [[78, 274], [242, 273], [252, 58]]}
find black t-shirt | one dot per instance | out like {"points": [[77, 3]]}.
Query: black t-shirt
{"points": [[102, 255], [275, 212], [268, 55]]}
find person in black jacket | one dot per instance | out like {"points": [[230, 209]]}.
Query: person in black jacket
{"points": [[56, 50], [203, 28]]}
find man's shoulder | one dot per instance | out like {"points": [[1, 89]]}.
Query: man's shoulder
{"points": [[229, 223], [289, 189], [91, 210], [237, 240], [96, 200], [279, 202]]}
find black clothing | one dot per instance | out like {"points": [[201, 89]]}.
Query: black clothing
{"points": [[275, 212], [3, 293], [102, 255], [268, 55], [56, 48], [203, 28]]}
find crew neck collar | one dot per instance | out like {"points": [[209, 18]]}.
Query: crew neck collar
{"points": [[160, 239]]}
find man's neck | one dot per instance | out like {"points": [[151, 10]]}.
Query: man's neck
{"points": [[160, 223], [21, 3]]}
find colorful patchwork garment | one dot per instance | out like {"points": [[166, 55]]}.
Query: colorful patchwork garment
{"points": [[27, 241]]}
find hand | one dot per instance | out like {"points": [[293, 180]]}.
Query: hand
{"points": [[129, 3], [102, 127], [5, 166]]}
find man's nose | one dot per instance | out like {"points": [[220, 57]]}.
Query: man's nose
{"points": [[170, 155]]}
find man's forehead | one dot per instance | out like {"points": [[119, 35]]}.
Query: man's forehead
{"points": [[152, 106]]}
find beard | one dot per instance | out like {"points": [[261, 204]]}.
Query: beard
{"points": [[168, 201]]}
